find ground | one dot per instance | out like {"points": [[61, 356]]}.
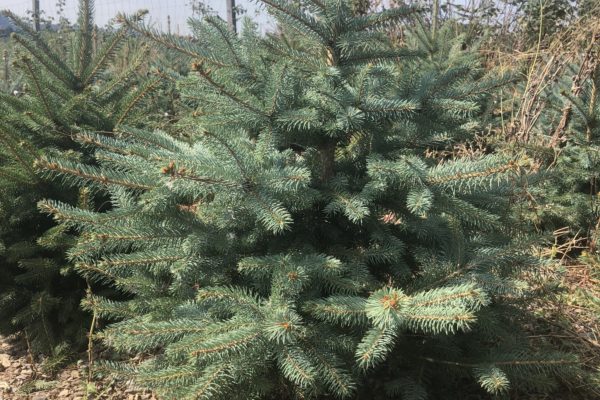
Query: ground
{"points": [[20, 379]]}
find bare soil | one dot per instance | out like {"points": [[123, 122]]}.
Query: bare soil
{"points": [[20, 379]]}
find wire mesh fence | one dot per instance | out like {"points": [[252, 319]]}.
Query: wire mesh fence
{"points": [[171, 15]]}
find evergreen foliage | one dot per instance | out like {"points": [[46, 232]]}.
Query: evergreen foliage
{"points": [[579, 165], [567, 143], [66, 87], [299, 243], [564, 206]]}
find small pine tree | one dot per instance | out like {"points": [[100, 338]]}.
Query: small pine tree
{"points": [[579, 163], [64, 90], [566, 142], [300, 243]]}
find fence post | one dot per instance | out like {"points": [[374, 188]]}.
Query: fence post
{"points": [[95, 39], [6, 70], [36, 15], [231, 15], [435, 16]]}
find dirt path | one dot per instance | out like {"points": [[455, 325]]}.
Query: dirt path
{"points": [[21, 380]]}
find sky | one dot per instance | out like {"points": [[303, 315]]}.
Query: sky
{"points": [[179, 10]]}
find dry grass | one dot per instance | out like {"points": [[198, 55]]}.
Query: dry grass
{"points": [[568, 315], [540, 67]]}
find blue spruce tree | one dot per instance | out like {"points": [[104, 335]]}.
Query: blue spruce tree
{"points": [[299, 242], [65, 85]]}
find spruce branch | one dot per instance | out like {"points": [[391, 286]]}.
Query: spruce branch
{"points": [[231, 296], [227, 36], [137, 259], [298, 17], [88, 174], [383, 18], [184, 341], [16, 151], [37, 47], [151, 138], [206, 74], [297, 366], [98, 141], [105, 55], [327, 364], [84, 21], [181, 376], [167, 41], [213, 381], [41, 94], [148, 87], [230, 342], [342, 310], [373, 348]]}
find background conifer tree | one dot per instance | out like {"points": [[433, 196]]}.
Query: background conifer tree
{"points": [[579, 165], [66, 88], [564, 137], [301, 243]]}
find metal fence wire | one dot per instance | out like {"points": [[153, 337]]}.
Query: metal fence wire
{"points": [[165, 15], [172, 15]]}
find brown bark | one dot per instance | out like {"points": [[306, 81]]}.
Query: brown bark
{"points": [[327, 154]]}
